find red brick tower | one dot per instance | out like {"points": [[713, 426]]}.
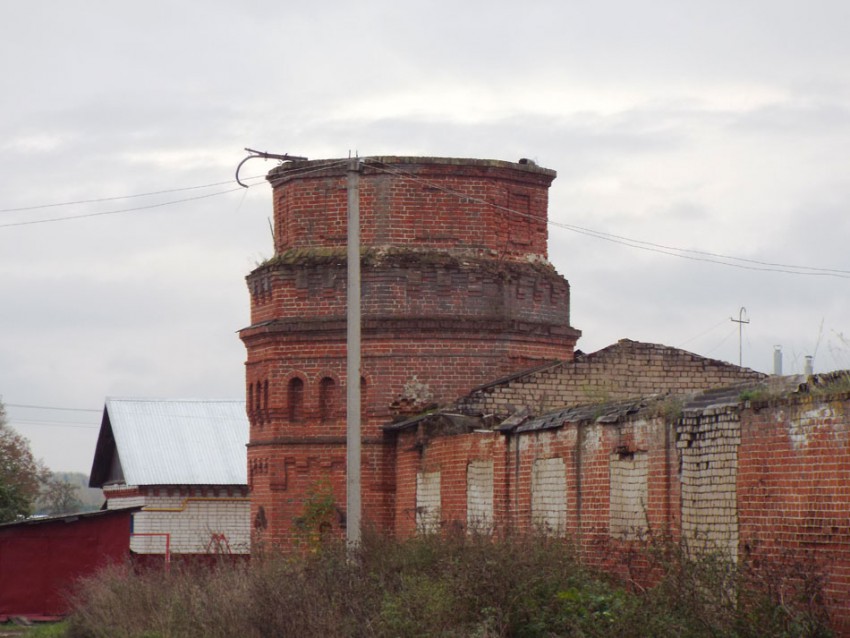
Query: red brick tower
{"points": [[456, 292]]}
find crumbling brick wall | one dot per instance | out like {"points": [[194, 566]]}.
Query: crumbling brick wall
{"points": [[793, 492], [572, 479], [763, 482], [456, 290], [472, 475], [708, 441], [625, 369]]}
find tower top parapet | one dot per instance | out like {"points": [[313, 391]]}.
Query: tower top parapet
{"points": [[492, 207]]}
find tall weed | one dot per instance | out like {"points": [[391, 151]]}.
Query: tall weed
{"points": [[444, 585]]}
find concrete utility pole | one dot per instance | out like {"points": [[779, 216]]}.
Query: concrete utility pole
{"points": [[352, 459], [740, 321]]}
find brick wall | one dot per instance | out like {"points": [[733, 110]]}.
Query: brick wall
{"points": [[549, 495], [793, 490], [571, 478], [629, 472], [767, 482], [625, 369], [203, 520], [428, 502], [286, 474], [708, 440], [480, 495], [413, 200], [456, 289]]}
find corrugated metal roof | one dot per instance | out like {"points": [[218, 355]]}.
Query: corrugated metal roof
{"points": [[180, 442], [611, 412]]}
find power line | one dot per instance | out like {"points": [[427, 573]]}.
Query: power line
{"points": [[48, 407], [672, 251], [722, 341], [704, 332], [120, 210], [682, 253], [119, 197], [298, 171], [54, 424]]}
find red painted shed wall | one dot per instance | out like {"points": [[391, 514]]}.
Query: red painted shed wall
{"points": [[40, 561]]}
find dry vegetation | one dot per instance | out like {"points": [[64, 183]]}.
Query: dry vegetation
{"points": [[437, 586]]}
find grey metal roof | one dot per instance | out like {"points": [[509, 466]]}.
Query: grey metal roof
{"points": [[174, 442]]}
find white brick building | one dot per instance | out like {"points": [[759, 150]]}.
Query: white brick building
{"points": [[183, 463]]}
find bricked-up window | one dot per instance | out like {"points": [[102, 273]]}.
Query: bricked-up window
{"points": [[627, 501], [265, 406], [549, 496], [479, 496], [251, 406], [295, 399], [328, 399], [427, 502]]}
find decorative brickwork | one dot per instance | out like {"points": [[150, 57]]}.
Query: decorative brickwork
{"points": [[456, 290], [606, 449]]}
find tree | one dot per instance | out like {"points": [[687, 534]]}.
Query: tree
{"points": [[59, 497], [21, 474]]}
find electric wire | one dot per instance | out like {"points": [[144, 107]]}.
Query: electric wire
{"points": [[29, 406], [32, 222], [703, 333], [696, 255], [55, 424], [297, 171], [722, 341], [673, 251], [118, 197]]}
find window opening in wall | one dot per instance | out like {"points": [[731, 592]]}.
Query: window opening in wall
{"points": [[295, 397], [265, 406], [327, 398]]}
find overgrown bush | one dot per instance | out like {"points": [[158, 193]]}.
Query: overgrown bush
{"points": [[523, 587]]}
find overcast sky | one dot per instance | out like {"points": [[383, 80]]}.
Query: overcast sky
{"points": [[720, 127]]}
